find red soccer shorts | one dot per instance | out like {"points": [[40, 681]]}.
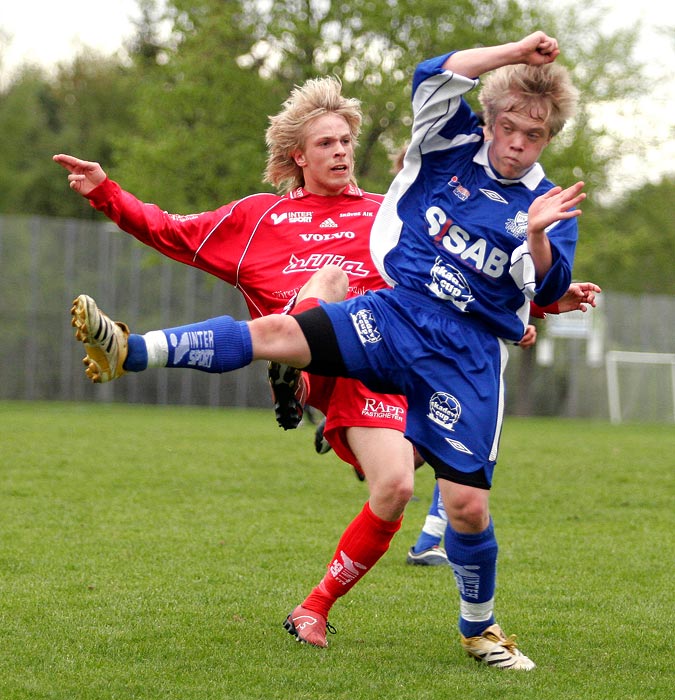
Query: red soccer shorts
{"points": [[348, 403]]}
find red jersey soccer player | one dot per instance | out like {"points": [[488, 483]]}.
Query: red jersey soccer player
{"points": [[268, 247]]}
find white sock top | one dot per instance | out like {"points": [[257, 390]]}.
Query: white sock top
{"points": [[158, 348]]}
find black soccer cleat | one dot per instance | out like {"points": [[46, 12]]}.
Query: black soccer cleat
{"points": [[288, 393], [321, 445]]}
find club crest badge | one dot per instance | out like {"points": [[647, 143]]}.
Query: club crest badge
{"points": [[517, 226], [444, 410], [366, 327], [447, 282]]}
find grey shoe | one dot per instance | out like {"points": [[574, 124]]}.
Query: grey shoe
{"points": [[434, 556]]}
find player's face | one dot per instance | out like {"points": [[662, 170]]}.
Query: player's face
{"points": [[327, 159], [517, 143]]}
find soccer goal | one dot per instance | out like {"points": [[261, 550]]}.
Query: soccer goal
{"points": [[647, 383]]}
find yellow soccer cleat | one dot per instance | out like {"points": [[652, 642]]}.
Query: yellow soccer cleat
{"points": [[495, 649], [104, 340]]}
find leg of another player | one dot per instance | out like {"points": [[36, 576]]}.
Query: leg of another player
{"points": [[386, 458], [223, 342], [219, 344], [427, 551], [279, 337], [329, 284]]}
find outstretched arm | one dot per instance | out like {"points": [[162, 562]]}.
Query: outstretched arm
{"points": [[536, 49], [84, 175], [578, 297]]}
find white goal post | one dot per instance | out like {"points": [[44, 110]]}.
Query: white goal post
{"points": [[615, 357]]}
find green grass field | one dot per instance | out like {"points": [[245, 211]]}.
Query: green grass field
{"points": [[152, 552]]}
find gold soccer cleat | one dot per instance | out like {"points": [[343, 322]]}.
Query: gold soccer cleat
{"points": [[494, 648], [104, 340]]}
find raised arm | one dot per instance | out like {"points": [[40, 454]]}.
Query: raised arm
{"points": [[84, 175], [555, 205], [536, 49]]}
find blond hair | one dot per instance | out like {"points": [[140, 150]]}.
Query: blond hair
{"points": [[286, 132], [543, 92]]}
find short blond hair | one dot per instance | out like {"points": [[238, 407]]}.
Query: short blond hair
{"points": [[543, 92], [286, 132]]}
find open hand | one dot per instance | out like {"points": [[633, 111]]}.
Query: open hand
{"points": [[555, 205], [578, 297]]}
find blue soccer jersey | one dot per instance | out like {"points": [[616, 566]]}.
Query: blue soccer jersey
{"points": [[451, 239], [450, 227]]}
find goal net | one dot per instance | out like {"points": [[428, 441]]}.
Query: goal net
{"points": [[640, 386]]}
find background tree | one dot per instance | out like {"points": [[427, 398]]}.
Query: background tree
{"points": [[27, 116], [83, 109], [201, 117], [630, 245], [225, 60]]}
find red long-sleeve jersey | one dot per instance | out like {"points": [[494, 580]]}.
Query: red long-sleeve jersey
{"points": [[265, 245]]}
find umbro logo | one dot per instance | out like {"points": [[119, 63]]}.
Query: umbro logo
{"points": [[494, 196], [459, 446]]}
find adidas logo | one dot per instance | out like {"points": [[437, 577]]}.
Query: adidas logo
{"points": [[328, 223]]}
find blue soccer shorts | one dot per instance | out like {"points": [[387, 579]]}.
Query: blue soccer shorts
{"points": [[449, 367]]}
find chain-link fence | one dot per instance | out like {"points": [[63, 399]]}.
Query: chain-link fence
{"points": [[45, 263]]}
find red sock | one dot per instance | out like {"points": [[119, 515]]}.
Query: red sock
{"points": [[362, 544], [304, 305]]}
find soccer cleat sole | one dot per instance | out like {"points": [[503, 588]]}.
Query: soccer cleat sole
{"points": [[504, 663], [288, 410]]}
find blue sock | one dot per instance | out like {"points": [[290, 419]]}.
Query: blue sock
{"points": [[137, 354], [474, 563], [216, 345], [434, 524]]}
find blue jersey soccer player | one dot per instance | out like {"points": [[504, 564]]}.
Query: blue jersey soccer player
{"points": [[469, 232], [427, 549]]}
